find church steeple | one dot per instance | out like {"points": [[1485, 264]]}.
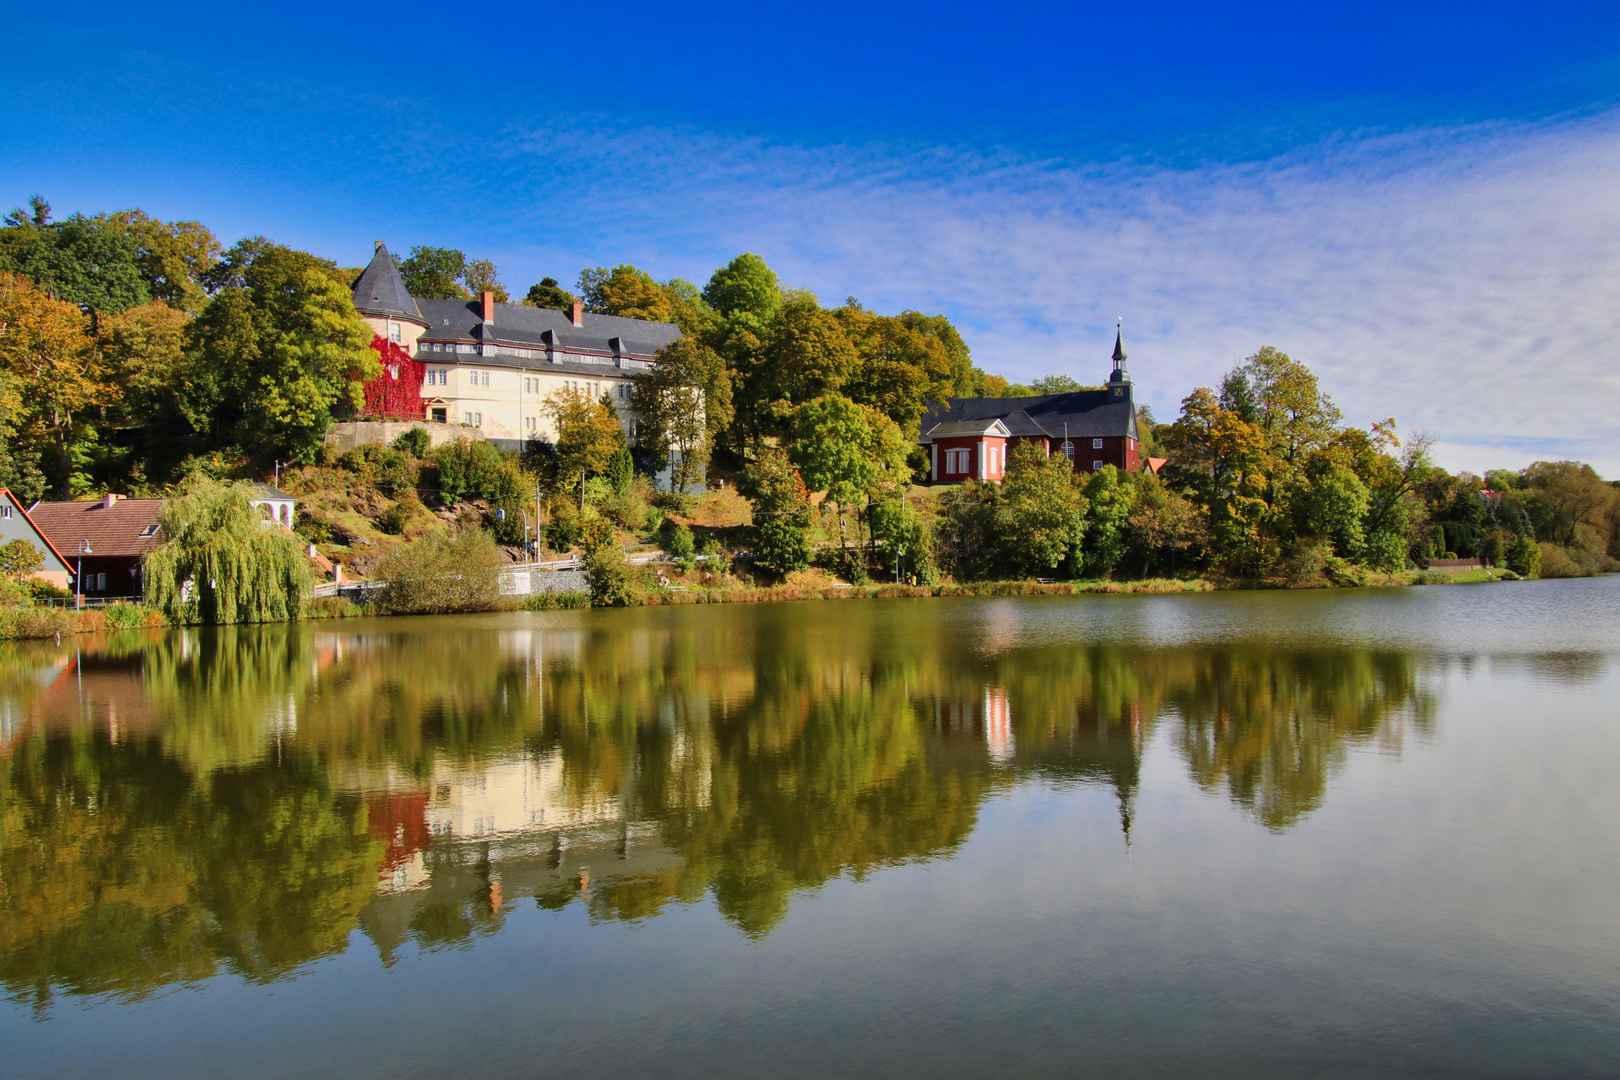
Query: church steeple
{"points": [[1119, 380]]}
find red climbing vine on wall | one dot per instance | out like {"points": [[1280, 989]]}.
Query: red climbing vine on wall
{"points": [[396, 394]]}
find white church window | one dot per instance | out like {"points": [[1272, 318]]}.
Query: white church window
{"points": [[1096, 444]]}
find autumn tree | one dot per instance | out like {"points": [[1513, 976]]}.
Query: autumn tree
{"points": [[481, 276], [46, 346], [588, 433]]}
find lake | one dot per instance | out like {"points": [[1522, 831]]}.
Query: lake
{"points": [[1358, 833]]}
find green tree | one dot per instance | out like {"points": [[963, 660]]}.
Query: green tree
{"points": [[434, 273], [1524, 556], [1111, 499], [1058, 384], [220, 563], [745, 284], [847, 450], [1041, 516], [781, 513], [19, 560], [81, 261], [588, 433], [548, 294], [269, 359]]}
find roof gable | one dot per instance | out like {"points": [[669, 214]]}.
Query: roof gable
{"points": [[21, 515]]}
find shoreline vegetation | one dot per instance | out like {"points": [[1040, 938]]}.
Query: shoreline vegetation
{"points": [[24, 623], [141, 357]]}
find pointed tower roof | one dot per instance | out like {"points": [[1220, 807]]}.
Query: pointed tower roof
{"points": [[381, 291], [1119, 347]]}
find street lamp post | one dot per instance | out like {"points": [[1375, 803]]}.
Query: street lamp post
{"points": [[78, 580]]}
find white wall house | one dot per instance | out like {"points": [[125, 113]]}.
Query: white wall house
{"points": [[491, 366]]}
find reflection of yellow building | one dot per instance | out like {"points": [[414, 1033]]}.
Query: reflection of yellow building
{"points": [[507, 801]]}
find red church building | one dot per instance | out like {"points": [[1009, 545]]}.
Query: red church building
{"points": [[971, 438]]}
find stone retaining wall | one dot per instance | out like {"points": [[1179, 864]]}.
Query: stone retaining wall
{"points": [[353, 433]]}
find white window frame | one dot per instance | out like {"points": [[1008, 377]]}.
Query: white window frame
{"points": [[1096, 466], [1096, 444], [396, 333]]}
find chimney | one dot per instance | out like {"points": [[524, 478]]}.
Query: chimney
{"points": [[489, 306], [578, 314], [108, 502], [376, 246]]}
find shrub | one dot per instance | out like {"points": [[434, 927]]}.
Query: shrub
{"points": [[132, 617], [1524, 557], [439, 573], [715, 559], [385, 468], [415, 442], [35, 622], [612, 583], [476, 470], [399, 514], [333, 607], [682, 547], [1556, 563], [562, 532], [556, 601]]}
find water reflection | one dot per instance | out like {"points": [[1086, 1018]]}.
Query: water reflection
{"points": [[173, 805]]}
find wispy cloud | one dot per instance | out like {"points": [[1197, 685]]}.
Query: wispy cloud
{"points": [[1465, 281]]}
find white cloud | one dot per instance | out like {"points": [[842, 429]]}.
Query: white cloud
{"points": [[1464, 281]]}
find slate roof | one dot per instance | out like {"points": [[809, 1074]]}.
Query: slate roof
{"points": [[541, 328], [381, 291], [265, 491], [1087, 413], [112, 530]]}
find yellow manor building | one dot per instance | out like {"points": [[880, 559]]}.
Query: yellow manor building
{"points": [[491, 366]]}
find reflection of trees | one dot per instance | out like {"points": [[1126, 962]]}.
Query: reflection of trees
{"points": [[179, 804], [1271, 725], [124, 871]]}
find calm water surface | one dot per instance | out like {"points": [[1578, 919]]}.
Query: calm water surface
{"points": [[1369, 833]]}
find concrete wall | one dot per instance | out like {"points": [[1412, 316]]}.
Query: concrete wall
{"points": [[529, 582], [355, 433]]}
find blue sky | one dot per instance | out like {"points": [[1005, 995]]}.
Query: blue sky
{"points": [[1417, 199]]}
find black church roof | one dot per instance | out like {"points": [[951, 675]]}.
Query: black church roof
{"points": [[1083, 414]]}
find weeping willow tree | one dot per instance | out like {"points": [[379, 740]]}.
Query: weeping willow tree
{"points": [[222, 563]]}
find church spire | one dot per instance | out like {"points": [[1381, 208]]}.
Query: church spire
{"points": [[1119, 380]]}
